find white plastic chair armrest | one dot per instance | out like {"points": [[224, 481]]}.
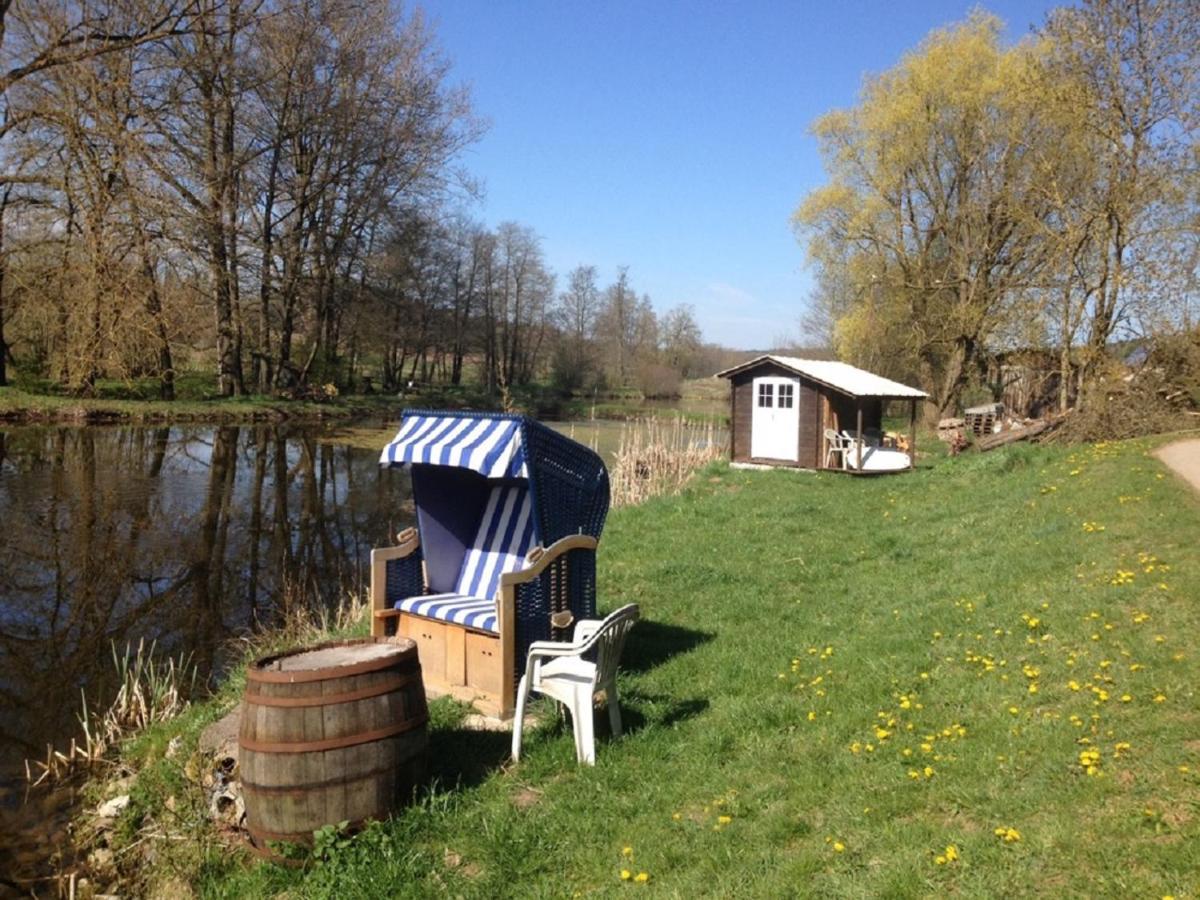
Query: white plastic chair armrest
{"points": [[553, 648]]}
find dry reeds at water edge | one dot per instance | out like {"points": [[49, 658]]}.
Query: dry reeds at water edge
{"points": [[152, 690], [655, 458], [301, 616], [149, 690]]}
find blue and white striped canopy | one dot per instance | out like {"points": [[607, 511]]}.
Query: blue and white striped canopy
{"points": [[490, 446]]}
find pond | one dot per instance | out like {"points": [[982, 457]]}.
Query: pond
{"points": [[185, 536]]}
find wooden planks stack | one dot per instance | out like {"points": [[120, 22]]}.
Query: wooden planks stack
{"points": [[329, 734], [981, 420]]}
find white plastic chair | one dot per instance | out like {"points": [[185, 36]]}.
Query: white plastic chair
{"points": [[565, 673], [837, 445]]}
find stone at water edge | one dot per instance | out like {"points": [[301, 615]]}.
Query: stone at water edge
{"points": [[110, 809]]}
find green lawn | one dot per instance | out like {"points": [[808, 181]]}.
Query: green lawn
{"points": [[836, 680]]}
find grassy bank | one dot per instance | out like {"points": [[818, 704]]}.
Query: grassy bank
{"points": [[196, 401], [21, 406], [39, 400], [700, 401], [836, 681]]}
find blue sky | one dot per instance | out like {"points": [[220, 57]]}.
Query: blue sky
{"points": [[673, 137]]}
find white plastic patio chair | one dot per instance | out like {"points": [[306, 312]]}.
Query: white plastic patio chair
{"points": [[572, 673], [837, 445]]}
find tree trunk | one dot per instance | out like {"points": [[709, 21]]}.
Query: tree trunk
{"points": [[262, 357], [228, 376], [166, 367], [3, 268], [154, 308], [218, 174]]}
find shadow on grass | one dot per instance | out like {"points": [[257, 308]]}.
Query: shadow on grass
{"points": [[651, 644], [464, 758], [640, 711]]}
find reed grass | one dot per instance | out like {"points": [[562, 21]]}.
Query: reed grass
{"points": [[149, 690], [656, 458], [303, 616]]}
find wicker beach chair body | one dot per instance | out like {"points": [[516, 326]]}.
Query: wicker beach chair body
{"points": [[509, 513]]}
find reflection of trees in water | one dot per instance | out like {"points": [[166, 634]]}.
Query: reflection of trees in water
{"points": [[183, 536]]}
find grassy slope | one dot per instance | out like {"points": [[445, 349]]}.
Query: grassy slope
{"points": [[913, 600], [137, 402]]}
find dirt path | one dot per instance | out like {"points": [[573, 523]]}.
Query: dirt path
{"points": [[1183, 458]]}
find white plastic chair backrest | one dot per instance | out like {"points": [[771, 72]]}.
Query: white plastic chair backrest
{"points": [[609, 640], [834, 438]]}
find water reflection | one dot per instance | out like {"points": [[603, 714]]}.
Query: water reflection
{"points": [[184, 536]]}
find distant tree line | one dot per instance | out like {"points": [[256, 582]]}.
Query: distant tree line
{"points": [[270, 189], [1040, 195]]}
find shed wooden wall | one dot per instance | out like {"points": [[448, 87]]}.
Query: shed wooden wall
{"points": [[821, 407], [811, 433]]}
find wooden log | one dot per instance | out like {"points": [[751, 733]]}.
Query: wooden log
{"points": [[330, 734], [992, 441]]}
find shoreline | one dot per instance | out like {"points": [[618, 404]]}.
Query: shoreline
{"points": [[19, 407]]}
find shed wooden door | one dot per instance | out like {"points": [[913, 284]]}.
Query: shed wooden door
{"points": [[775, 423]]}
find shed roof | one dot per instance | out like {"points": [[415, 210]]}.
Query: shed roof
{"points": [[840, 376]]}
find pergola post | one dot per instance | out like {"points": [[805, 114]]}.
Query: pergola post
{"points": [[859, 442], [912, 433]]}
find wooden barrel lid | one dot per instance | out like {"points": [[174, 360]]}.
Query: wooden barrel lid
{"points": [[336, 659]]}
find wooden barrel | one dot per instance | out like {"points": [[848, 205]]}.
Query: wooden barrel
{"points": [[329, 734]]}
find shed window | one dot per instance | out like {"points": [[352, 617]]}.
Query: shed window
{"points": [[785, 395], [766, 395]]}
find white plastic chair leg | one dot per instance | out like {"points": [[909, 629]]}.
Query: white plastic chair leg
{"points": [[614, 710], [577, 732], [519, 716], [587, 727]]}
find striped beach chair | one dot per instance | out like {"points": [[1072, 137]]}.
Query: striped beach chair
{"points": [[509, 513]]}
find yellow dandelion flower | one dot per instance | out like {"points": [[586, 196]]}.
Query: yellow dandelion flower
{"points": [[642, 877], [627, 851], [724, 820], [626, 874], [839, 847]]}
